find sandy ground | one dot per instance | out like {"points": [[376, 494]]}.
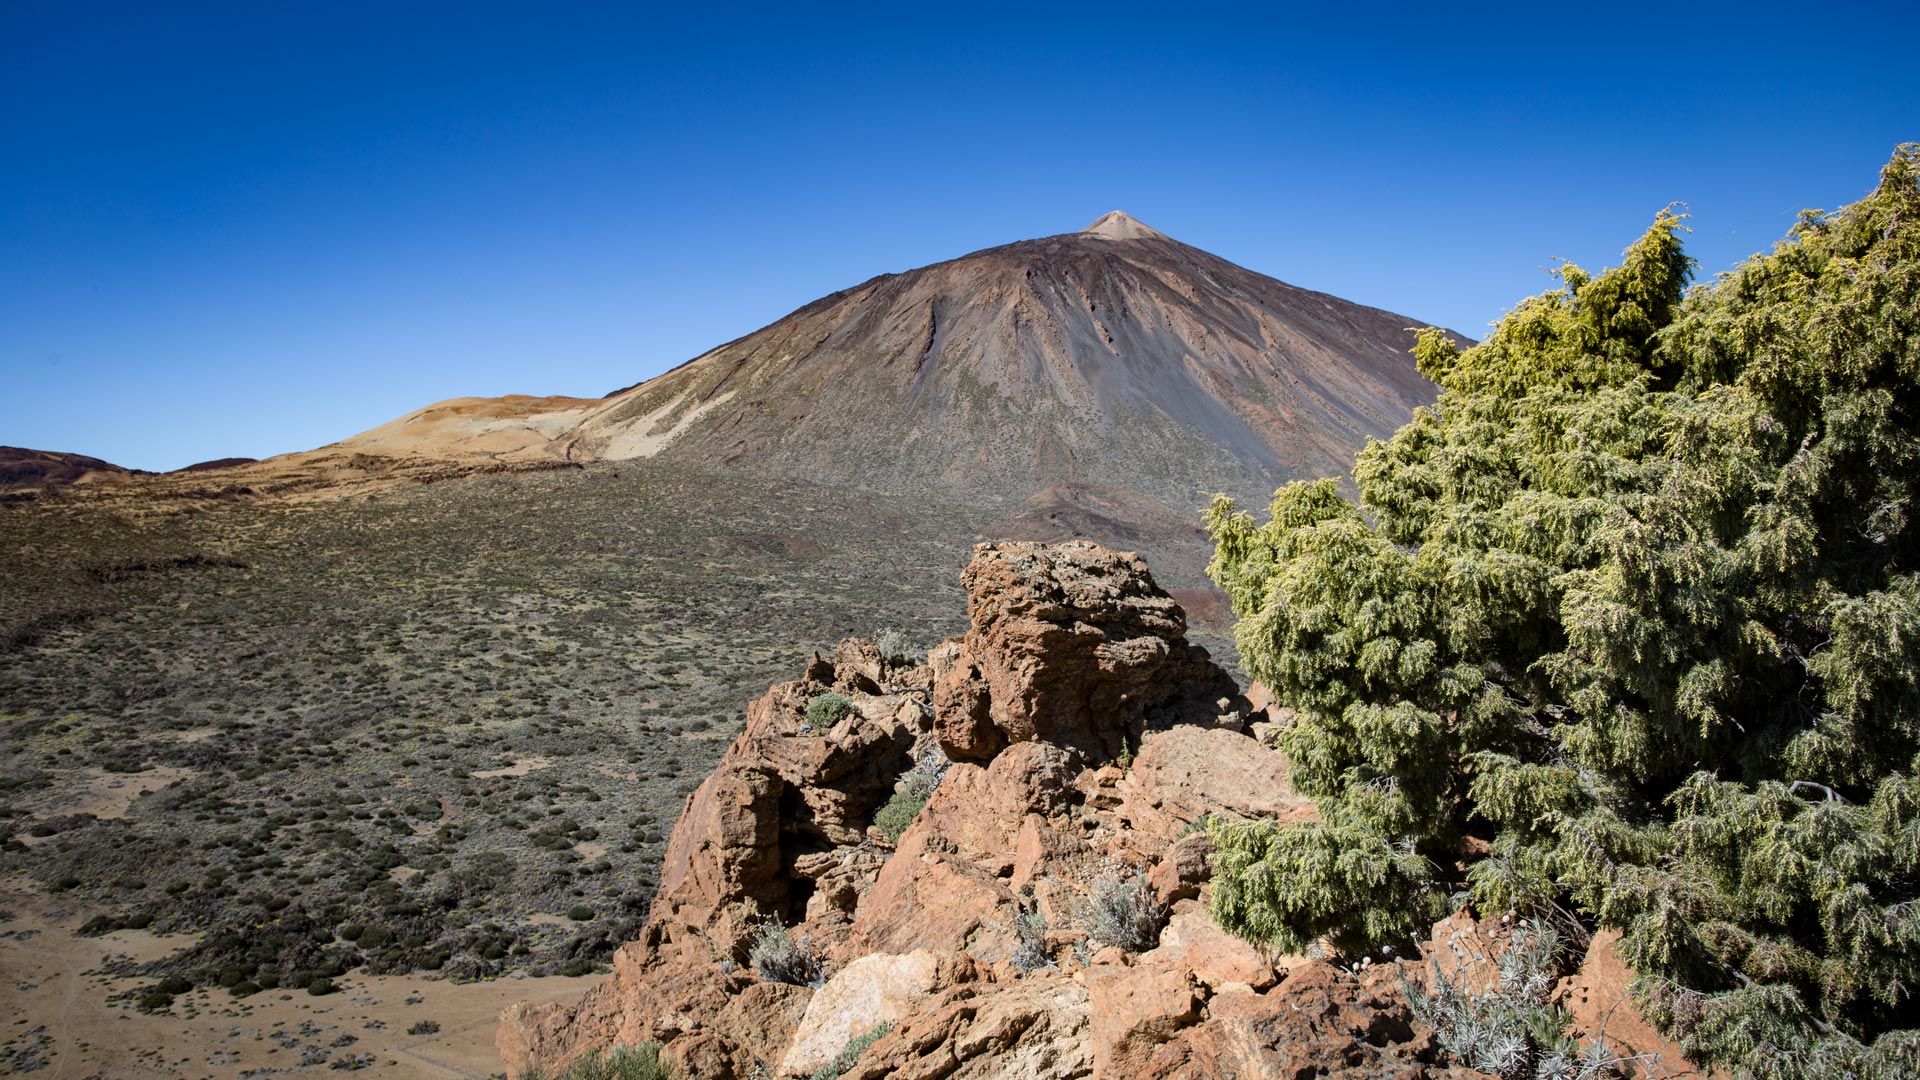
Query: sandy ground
{"points": [[103, 794], [639, 439], [57, 1024]]}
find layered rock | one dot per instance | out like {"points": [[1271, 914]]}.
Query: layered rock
{"points": [[1043, 915]]}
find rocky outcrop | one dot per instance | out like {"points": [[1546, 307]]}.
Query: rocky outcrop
{"points": [[1043, 914], [1073, 645], [775, 834]]}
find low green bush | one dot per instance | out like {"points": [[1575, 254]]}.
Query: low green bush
{"points": [[826, 710], [905, 805]]}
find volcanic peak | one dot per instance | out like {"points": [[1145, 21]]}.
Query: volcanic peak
{"points": [[1118, 225]]}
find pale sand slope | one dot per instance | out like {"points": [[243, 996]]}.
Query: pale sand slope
{"points": [[55, 1003]]}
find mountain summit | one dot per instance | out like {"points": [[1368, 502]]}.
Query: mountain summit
{"points": [[1117, 225], [1113, 359]]}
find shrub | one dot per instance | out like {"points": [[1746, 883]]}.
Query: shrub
{"points": [[321, 986], [1123, 912], [580, 913], [1510, 1030], [905, 805], [778, 956], [897, 645], [1030, 936], [850, 1054], [826, 710], [1637, 601], [99, 924], [424, 1027]]}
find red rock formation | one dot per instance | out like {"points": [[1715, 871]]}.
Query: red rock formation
{"points": [[976, 936], [785, 810], [1073, 645]]}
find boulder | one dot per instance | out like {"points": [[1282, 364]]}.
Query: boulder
{"points": [[1074, 645], [1038, 848], [1182, 870], [880, 988], [952, 881], [653, 994], [930, 897], [1188, 772], [1596, 997], [1319, 1022], [722, 868], [1193, 942], [1031, 1027], [1135, 1009], [979, 810], [759, 1022]]}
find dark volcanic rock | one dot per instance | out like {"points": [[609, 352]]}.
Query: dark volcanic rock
{"points": [[216, 464]]}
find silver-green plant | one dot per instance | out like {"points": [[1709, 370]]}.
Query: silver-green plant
{"points": [[1123, 912], [1512, 1029], [777, 955]]}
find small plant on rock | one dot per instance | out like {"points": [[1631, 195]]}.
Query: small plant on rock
{"points": [[850, 1054], [1510, 1030], [1123, 912], [897, 645], [911, 796], [826, 710], [778, 956], [1030, 936]]}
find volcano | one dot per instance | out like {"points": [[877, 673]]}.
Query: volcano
{"points": [[1115, 361]]}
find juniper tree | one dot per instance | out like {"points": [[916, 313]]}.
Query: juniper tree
{"points": [[1634, 605]]}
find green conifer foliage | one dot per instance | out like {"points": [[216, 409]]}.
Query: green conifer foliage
{"points": [[1635, 602]]}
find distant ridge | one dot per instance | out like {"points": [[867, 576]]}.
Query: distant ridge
{"points": [[24, 468]]}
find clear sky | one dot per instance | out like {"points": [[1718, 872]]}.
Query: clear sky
{"points": [[245, 229]]}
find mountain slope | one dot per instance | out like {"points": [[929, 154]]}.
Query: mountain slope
{"points": [[1114, 356], [1043, 380]]}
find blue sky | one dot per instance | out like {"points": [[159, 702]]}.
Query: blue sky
{"points": [[246, 229]]}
